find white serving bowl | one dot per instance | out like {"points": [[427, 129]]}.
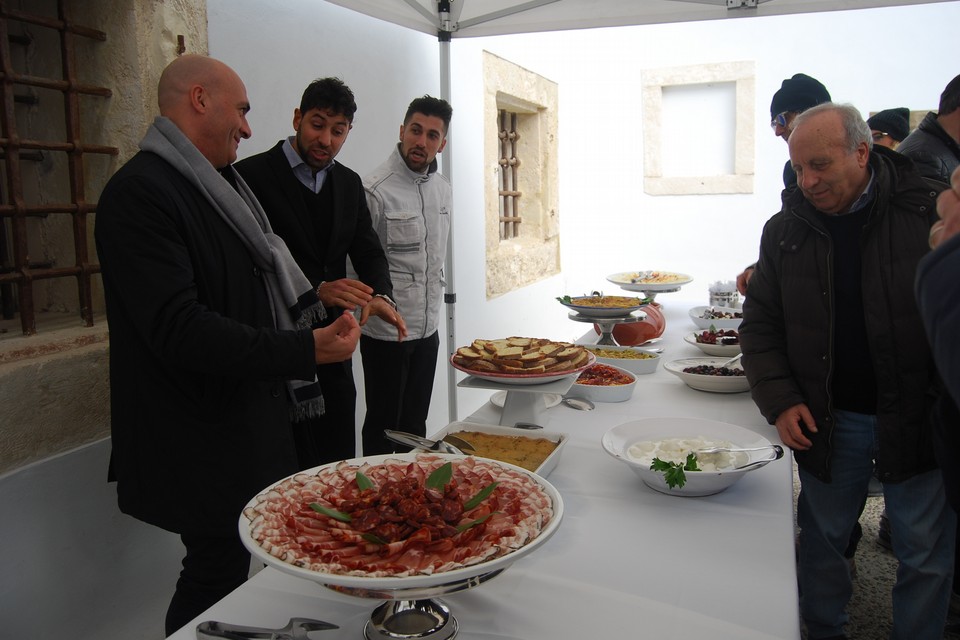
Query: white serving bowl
{"points": [[722, 350], [640, 366], [701, 382], [697, 315], [618, 440], [605, 393]]}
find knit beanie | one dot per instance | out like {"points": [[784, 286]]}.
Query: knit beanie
{"points": [[895, 122], [798, 93]]}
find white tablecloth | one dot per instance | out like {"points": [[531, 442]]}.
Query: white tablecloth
{"points": [[626, 561]]}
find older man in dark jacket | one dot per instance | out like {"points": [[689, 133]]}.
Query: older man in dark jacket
{"points": [[836, 357]]}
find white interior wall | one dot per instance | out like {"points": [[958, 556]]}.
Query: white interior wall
{"points": [[872, 58]]}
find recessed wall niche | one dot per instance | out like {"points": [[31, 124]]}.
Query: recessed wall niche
{"points": [[698, 129]]}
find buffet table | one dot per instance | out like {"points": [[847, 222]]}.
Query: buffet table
{"points": [[626, 561]]}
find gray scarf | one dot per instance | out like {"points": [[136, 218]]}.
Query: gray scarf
{"points": [[293, 301]]}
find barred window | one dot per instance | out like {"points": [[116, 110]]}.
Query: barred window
{"points": [[45, 202], [510, 218]]}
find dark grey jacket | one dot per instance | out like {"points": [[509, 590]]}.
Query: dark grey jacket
{"points": [[932, 149], [787, 332]]}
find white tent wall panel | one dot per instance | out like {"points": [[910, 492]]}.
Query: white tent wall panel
{"points": [[872, 58]]}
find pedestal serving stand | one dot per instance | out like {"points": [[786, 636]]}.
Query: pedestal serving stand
{"points": [[523, 403], [607, 324]]}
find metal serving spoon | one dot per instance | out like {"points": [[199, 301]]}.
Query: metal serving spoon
{"points": [[581, 404], [730, 361]]}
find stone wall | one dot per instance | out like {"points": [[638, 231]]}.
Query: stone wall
{"points": [[54, 391]]}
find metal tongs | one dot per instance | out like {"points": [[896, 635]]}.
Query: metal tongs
{"points": [[417, 442], [296, 629]]}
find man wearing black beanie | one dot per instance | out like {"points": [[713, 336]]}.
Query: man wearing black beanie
{"points": [[889, 127], [796, 95]]}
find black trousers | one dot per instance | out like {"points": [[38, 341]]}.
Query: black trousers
{"points": [[398, 384], [212, 568]]}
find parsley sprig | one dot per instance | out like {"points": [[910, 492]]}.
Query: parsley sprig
{"points": [[673, 472]]}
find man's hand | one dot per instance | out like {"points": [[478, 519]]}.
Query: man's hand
{"points": [[336, 342], [344, 293], [789, 427], [948, 206], [385, 311], [743, 279]]}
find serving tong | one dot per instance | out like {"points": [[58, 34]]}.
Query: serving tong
{"points": [[438, 446], [295, 629], [777, 454]]}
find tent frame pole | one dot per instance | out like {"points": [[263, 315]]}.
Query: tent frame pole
{"points": [[450, 294]]}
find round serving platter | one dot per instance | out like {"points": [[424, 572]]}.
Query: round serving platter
{"points": [[406, 593]]}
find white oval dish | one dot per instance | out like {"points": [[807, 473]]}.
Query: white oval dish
{"points": [[631, 280], [728, 350], [697, 313], [716, 384], [619, 439], [639, 366]]}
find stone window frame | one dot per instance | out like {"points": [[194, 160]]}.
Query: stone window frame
{"points": [[535, 255], [743, 74]]}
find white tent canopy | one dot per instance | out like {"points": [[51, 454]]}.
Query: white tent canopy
{"points": [[448, 19], [474, 18]]}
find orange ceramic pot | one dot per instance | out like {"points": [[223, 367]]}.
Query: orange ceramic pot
{"points": [[639, 332]]}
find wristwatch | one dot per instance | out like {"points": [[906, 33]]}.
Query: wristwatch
{"points": [[387, 298]]}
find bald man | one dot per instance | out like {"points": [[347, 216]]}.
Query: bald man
{"points": [[212, 350]]}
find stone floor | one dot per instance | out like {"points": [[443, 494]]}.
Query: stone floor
{"points": [[870, 608]]}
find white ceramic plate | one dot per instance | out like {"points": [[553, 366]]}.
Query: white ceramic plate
{"points": [[600, 312], [619, 439], [550, 399], [662, 281], [697, 315], [721, 350], [716, 384], [387, 587], [554, 436], [522, 378]]}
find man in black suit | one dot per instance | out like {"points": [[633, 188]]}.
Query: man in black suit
{"points": [[318, 206], [210, 341]]}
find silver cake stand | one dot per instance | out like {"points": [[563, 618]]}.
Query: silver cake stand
{"points": [[607, 324]]}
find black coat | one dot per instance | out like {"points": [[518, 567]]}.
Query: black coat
{"points": [[351, 233], [787, 330], [932, 149], [939, 298], [197, 370]]}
